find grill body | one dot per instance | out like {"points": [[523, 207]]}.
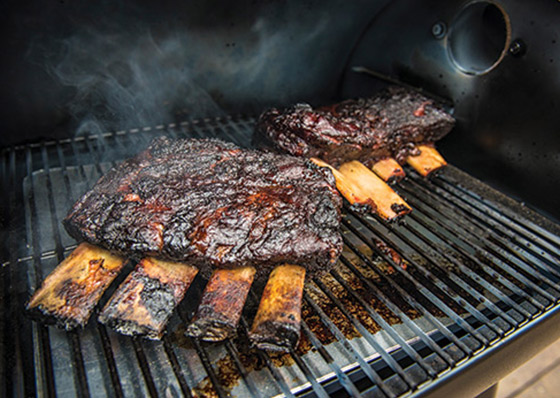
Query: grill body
{"points": [[448, 301], [468, 279], [497, 63], [83, 68]]}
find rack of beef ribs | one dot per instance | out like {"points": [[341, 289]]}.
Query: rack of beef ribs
{"points": [[395, 127], [212, 204], [390, 124], [204, 204]]}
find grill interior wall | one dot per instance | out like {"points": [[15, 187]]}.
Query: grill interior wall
{"points": [[407, 303]]}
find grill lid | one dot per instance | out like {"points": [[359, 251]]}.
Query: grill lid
{"points": [[409, 306]]}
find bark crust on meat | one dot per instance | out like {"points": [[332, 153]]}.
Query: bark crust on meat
{"points": [[212, 204], [389, 124], [143, 303]]}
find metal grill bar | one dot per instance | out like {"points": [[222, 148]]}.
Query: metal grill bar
{"points": [[185, 390], [264, 357], [344, 379], [464, 284], [421, 288], [493, 256], [386, 357], [464, 249], [503, 251], [412, 302], [417, 305], [364, 366], [43, 333], [144, 367], [379, 319], [505, 215], [479, 277], [77, 358], [478, 297], [14, 329], [441, 285], [109, 358], [317, 387], [234, 353], [532, 250], [402, 317]]}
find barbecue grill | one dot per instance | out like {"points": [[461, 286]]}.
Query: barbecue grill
{"points": [[457, 286], [445, 302]]}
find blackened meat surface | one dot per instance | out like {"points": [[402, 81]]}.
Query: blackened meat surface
{"points": [[388, 124], [212, 204]]}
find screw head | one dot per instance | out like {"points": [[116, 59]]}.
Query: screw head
{"points": [[517, 48], [439, 29]]}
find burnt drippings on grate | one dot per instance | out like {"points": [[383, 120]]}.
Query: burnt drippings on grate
{"points": [[251, 359], [227, 375], [453, 248], [227, 371]]}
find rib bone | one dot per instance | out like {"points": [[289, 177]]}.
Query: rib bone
{"points": [[276, 326], [427, 161], [389, 205], [143, 303], [222, 303], [69, 293], [352, 192], [389, 170]]}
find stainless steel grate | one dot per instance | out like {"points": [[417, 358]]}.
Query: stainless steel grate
{"points": [[409, 307]]}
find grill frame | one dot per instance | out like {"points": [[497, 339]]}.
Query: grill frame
{"points": [[483, 342]]}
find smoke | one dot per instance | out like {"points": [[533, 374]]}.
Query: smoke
{"points": [[127, 79], [124, 72]]}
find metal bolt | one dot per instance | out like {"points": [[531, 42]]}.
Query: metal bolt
{"points": [[517, 48], [439, 29]]}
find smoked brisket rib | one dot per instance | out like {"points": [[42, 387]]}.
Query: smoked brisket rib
{"points": [[389, 124], [211, 204]]}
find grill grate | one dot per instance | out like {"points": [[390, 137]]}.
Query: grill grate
{"points": [[408, 304]]}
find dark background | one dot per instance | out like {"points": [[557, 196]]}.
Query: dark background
{"points": [[109, 65], [79, 67]]}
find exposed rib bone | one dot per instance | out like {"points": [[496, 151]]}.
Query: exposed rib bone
{"points": [[389, 170], [222, 303], [389, 205], [428, 161], [143, 303], [347, 188], [276, 326], [69, 293]]}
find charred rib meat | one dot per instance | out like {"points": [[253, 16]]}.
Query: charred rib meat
{"points": [[389, 124], [69, 294], [212, 204], [222, 302], [143, 303]]}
